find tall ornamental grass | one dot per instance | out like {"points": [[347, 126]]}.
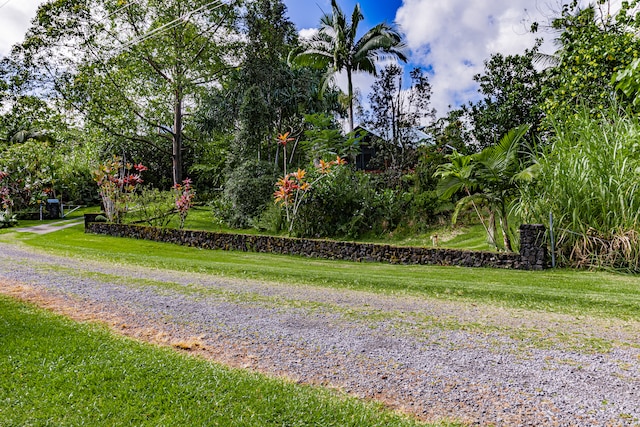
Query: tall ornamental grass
{"points": [[588, 178]]}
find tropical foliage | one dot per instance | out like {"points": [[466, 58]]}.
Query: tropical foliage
{"points": [[589, 179], [487, 178], [335, 47], [227, 94], [511, 87], [7, 219], [184, 195], [593, 44], [117, 182], [293, 187]]}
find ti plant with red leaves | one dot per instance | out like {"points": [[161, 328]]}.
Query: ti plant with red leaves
{"points": [[184, 199], [117, 181], [292, 187]]}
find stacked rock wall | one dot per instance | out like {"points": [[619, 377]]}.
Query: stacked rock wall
{"points": [[532, 254]]}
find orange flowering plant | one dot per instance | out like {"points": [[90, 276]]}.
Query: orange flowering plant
{"points": [[292, 187], [283, 139]]}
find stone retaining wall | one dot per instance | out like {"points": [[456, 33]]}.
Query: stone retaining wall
{"points": [[532, 255]]}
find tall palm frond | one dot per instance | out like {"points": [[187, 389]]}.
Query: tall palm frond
{"points": [[455, 176], [336, 48], [500, 160]]}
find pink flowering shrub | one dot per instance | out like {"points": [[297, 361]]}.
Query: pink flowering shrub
{"points": [[184, 199], [6, 202], [117, 182]]}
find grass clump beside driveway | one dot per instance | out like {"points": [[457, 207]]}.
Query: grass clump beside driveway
{"points": [[58, 372]]}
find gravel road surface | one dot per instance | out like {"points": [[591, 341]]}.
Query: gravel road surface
{"points": [[434, 359]]}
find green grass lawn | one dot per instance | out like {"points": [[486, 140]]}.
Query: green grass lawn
{"points": [[472, 237], [57, 372], [599, 294]]}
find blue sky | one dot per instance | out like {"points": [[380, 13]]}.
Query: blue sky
{"points": [[306, 14]]}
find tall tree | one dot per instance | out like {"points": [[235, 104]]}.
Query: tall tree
{"points": [[264, 96], [512, 95], [336, 48], [398, 113], [133, 69]]}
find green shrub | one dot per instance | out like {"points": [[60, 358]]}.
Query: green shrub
{"points": [[272, 220], [248, 191], [426, 208], [348, 205], [152, 206], [7, 220]]}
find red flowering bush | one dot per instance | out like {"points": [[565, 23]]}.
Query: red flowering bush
{"points": [[6, 202], [117, 181], [5, 193]]}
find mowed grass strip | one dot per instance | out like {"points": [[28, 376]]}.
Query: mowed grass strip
{"points": [[58, 372], [599, 294]]}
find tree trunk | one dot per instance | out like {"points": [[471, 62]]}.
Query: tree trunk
{"points": [[177, 136], [491, 229], [350, 98], [505, 229]]}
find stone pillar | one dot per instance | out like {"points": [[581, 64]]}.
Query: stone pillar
{"points": [[89, 218], [533, 247]]}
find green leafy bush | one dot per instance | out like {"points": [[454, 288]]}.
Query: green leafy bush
{"points": [[272, 220], [151, 206], [247, 192], [7, 220], [346, 205]]}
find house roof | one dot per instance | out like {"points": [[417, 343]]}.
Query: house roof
{"points": [[414, 134]]}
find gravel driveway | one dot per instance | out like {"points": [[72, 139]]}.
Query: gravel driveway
{"points": [[435, 359]]}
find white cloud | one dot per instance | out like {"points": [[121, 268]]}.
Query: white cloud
{"points": [[307, 33], [454, 37]]}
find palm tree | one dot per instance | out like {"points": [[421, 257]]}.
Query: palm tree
{"points": [[335, 47], [488, 177]]}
